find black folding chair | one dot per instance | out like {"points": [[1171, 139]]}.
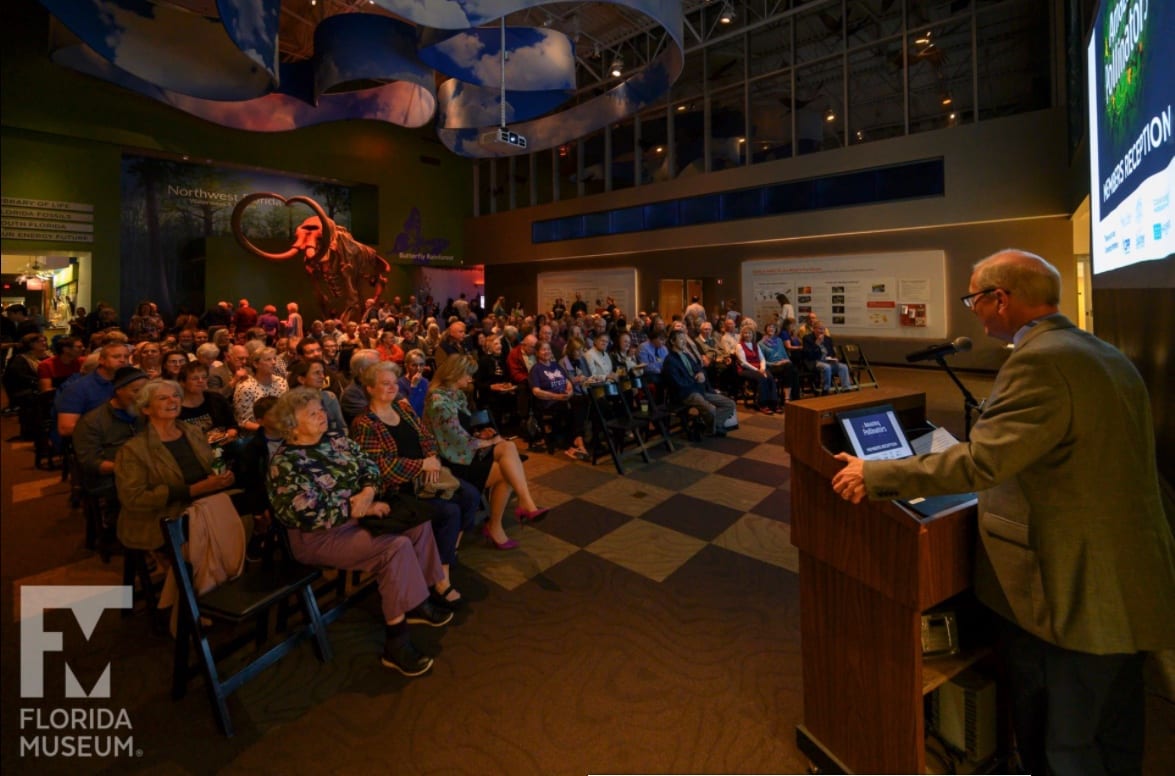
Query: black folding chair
{"points": [[854, 358], [250, 596], [613, 424], [644, 407]]}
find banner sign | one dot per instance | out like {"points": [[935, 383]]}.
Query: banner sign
{"points": [[46, 220]]}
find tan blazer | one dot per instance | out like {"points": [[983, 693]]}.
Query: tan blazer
{"points": [[146, 475], [1074, 545]]}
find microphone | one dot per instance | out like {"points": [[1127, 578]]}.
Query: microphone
{"points": [[960, 345]]}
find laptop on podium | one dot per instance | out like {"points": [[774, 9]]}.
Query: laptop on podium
{"points": [[874, 434]]}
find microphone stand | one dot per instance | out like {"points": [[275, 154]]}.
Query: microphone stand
{"points": [[970, 405]]}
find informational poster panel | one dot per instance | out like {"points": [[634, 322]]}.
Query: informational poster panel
{"points": [[597, 285], [898, 295]]}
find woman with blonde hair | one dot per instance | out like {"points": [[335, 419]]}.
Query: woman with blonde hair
{"points": [[263, 382], [484, 459], [432, 340]]}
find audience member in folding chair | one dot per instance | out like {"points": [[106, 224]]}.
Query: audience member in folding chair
{"points": [[555, 404], [320, 483], [685, 381]]}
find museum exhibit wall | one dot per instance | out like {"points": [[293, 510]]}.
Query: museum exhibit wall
{"points": [[64, 135]]}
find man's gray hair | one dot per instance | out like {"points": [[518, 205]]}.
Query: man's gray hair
{"points": [[361, 359], [1022, 274]]}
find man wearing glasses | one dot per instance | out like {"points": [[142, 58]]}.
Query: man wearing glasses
{"points": [[1075, 553]]}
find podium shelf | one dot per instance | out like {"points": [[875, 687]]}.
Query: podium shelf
{"points": [[937, 671]]}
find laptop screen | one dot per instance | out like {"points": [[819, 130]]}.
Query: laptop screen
{"points": [[874, 433]]}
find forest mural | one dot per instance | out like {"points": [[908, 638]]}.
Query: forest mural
{"points": [[171, 207]]}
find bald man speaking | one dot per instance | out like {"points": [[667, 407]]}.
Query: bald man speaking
{"points": [[1075, 552]]}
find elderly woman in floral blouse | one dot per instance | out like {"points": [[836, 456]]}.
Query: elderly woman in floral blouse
{"points": [[485, 460], [319, 485], [392, 435]]}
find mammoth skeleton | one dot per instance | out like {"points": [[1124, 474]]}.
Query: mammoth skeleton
{"points": [[337, 263]]}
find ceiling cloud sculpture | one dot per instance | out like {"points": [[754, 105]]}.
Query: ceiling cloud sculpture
{"points": [[226, 68]]}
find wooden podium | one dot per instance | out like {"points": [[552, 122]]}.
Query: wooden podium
{"points": [[867, 573]]}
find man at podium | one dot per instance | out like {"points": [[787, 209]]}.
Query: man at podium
{"points": [[1075, 553]]}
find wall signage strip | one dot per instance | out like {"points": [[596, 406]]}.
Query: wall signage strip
{"points": [[47, 220]]}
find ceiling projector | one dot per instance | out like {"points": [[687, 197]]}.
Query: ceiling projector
{"points": [[503, 136]]}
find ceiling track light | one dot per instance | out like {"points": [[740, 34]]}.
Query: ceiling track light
{"points": [[830, 115], [727, 14], [946, 99], [617, 67]]}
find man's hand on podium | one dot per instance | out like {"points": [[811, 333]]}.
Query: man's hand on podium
{"points": [[849, 482]]}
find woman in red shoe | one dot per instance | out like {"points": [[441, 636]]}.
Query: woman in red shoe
{"points": [[485, 460], [406, 453]]}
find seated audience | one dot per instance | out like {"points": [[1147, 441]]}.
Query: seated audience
{"points": [[405, 451], [354, 399], [821, 353], [779, 364], [752, 367], [553, 390], [485, 460], [320, 484], [388, 349], [206, 410], [65, 362], [263, 382], [82, 394], [312, 374], [599, 364], [162, 470], [685, 382], [21, 383], [173, 362], [414, 385]]}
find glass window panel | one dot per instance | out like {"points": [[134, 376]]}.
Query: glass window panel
{"points": [[688, 134], [927, 13], [771, 117], [724, 63], [940, 76], [728, 141], [819, 33], [623, 154], [654, 146], [568, 154], [593, 163], [872, 20], [769, 47], [876, 107], [543, 176], [820, 115], [1013, 59]]}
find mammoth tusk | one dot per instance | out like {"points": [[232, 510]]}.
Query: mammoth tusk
{"points": [[238, 214]]}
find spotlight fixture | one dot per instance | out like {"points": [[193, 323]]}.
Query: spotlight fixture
{"points": [[659, 149], [830, 115], [617, 67], [946, 99], [923, 39], [682, 108], [860, 134], [953, 116], [727, 15]]}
